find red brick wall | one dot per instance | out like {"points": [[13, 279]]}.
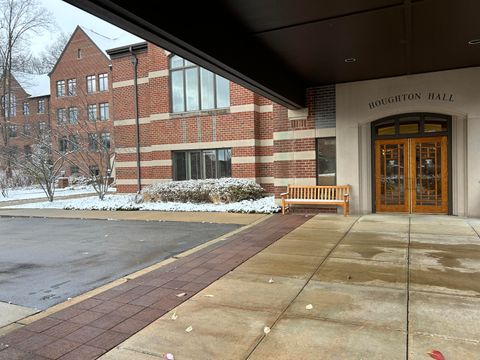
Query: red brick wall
{"points": [[92, 62]]}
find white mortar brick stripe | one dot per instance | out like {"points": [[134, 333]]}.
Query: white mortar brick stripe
{"points": [[144, 181], [197, 145], [161, 116], [251, 159], [145, 163], [125, 122], [251, 107], [157, 74], [294, 134], [298, 155], [294, 181], [119, 84], [265, 180]]}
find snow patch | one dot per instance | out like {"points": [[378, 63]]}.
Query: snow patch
{"points": [[264, 205]]}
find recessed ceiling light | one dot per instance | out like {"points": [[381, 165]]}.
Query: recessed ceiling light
{"points": [[474, 42], [350, 60]]}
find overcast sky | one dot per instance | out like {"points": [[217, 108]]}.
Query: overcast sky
{"points": [[67, 17]]}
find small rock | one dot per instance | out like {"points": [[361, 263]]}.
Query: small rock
{"points": [[188, 329], [309, 307], [271, 281], [266, 330], [174, 316], [169, 356], [181, 294]]}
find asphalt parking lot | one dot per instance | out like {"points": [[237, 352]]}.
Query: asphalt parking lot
{"points": [[46, 261]]}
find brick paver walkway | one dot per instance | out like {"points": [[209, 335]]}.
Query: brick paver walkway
{"points": [[90, 328]]}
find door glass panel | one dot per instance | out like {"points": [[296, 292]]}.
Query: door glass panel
{"points": [[392, 174], [428, 181]]}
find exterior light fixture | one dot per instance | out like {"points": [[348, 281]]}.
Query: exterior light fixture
{"points": [[350, 60], [474, 42]]}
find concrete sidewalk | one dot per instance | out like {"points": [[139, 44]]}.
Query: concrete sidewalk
{"points": [[213, 217], [328, 287], [375, 287]]}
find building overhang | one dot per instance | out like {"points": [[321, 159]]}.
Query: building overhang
{"points": [[278, 48]]}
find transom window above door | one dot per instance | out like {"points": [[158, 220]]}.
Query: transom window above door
{"points": [[411, 125]]}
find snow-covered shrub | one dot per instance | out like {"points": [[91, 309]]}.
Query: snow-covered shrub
{"points": [[224, 190]]}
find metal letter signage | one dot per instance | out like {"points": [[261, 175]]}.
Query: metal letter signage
{"points": [[413, 96]]}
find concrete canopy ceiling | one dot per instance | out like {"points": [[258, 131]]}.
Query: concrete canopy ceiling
{"points": [[278, 48]]}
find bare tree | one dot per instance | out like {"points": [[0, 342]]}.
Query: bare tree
{"points": [[19, 20], [43, 163], [88, 143], [48, 58]]}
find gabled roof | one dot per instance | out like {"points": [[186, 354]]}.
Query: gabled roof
{"points": [[112, 41], [101, 41], [34, 84]]}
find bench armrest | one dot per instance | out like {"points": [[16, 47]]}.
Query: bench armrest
{"points": [[346, 196], [283, 195]]}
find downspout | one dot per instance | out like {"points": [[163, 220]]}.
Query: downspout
{"points": [[134, 61]]}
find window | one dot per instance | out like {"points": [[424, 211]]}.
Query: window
{"points": [[42, 127], [326, 161], [106, 140], [92, 112], [61, 118], [74, 170], [103, 111], [60, 88], [94, 170], [91, 84], [12, 130], [26, 108], [27, 151], [9, 105], [92, 142], [202, 164], [27, 129], [41, 106], [72, 115], [63, 144], [194, 88], [72, 87], [103, 82], [74, 141], [79, 53]]}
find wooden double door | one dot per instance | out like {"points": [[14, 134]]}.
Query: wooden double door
{"points": [[411, 175]]}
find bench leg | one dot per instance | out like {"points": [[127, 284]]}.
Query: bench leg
{"points": [[346, 209], [283, 207]]}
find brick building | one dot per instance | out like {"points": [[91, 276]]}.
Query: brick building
{"points": [[194, 124], [26, 112], [81, 100]]}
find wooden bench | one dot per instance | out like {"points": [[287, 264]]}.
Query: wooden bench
{"points": [[317, 195]]}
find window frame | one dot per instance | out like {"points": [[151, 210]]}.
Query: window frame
{"points": [[102, 79], [26, 108], [90, 107], [61, 85], [94, 82], [72, 110], [72, 90], [63, 144], [316, 158], [106, 106], [188, 65], [41, 106], [202, 152], [64, 117]]}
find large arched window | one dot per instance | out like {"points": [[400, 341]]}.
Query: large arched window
{"points": [[193, 88]]}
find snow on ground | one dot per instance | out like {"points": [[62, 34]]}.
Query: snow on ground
{"points": [[127, 202], [35, 192]]}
